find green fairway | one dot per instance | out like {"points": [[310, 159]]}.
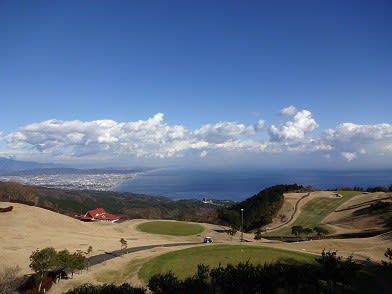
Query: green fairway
{"points": [[315, 211], [172, 228], [183, 263]]}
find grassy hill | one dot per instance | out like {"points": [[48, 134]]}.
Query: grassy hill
{"points": [[259, 209], [27, 228], [322, 211]]}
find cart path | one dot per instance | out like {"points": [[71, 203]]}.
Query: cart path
{"points": [[292, 216], [96, 259]]}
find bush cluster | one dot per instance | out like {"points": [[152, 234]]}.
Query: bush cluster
{"points": [[330, 274]]}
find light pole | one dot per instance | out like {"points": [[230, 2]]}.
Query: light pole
{"points": [[242, 224]]}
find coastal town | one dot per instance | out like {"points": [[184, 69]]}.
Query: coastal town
{"points": [[104, 181]]}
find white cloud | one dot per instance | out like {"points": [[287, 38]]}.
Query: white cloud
{"points": [[360, 133], [349, 156], [290, 110], [294, 129], [223, 131], [359, 139], [259, 125], [154, 138], [143, 138]]}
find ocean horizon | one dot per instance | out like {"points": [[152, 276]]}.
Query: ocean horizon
{"points": [[239, 184]]}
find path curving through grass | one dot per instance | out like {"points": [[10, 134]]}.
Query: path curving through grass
{"points": [[315, 211]]}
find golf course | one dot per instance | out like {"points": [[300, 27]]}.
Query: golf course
{"points": [[148, 252]]}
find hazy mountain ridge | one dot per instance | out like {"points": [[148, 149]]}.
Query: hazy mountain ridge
{"points": [[13, 167], [10, 165]]}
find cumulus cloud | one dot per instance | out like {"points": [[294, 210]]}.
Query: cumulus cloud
{"points": [[359, 139], [359, 133], [294, 129], [143, 138], [349, 156], [154, 138], [290, 110], [223, 131], [259, 125]]}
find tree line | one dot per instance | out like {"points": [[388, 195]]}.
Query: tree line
{"points": [[259, 209], [368, 189], [329, 274], [320, 231]]}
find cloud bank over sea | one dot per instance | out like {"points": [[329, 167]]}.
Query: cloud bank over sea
{"points": [[299, 135]]}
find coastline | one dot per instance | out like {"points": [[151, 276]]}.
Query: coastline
{"points": [[184, 183]]}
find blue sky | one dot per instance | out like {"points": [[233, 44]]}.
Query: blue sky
{"points": [[267, 83]]}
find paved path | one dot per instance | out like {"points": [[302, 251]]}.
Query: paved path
{"points": [[96, 259], [292, 215]]}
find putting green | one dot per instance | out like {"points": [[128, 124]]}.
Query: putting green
{"points": [[183, 263], [172, 228]]}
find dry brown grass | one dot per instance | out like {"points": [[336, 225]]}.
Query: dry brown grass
{"points": [[27, 228], [354, 216]]}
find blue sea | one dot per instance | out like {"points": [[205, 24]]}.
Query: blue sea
{"points": [[239, 184]]}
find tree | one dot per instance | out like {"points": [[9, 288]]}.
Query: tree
{"points": [[70, 262], [89, 250], [336, 269], [258, 234], [42, 261], [107, 288], [164, 283], [198, 283], [297, 231], [320, 231], [231, 232], [76, 261], [12, 190], [307, 232], [124, 243], [229, 217], [48, 259], [87, 254], [63, 260]]}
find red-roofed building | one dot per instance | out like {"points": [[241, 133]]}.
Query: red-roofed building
{"points": [[99, 214]]}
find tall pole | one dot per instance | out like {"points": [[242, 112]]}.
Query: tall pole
{"points": [[242, 224]]}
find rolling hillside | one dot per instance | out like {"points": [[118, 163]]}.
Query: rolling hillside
{"points": [[346, 212], [127, 205], [27, 228], [369, 212]]}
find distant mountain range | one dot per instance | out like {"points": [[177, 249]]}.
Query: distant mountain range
{"points": [[7, 164], [12, 167]]}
